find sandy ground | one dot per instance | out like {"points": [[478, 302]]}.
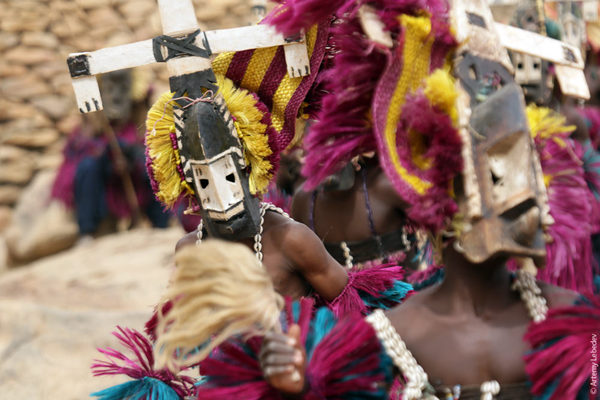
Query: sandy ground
{"points": [[55, 312]]}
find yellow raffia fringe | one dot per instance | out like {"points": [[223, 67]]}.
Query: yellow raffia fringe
{"points": [[415, 55], [545, 123], [251, 131], [159, 126]]}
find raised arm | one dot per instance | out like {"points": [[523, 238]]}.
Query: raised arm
{"points": [[308, 256]]}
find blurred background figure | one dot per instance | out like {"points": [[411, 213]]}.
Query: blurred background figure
{"points": [[570, 161], [590, 114], [359, 217], [103, 176], [354, 209], [288, 180]]}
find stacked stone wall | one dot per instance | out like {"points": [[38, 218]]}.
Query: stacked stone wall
{"points": [[37, 105]]}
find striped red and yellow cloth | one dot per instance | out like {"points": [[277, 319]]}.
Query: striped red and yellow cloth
{"points": [[264, 72]]}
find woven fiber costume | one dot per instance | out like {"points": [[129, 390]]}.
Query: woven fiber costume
{"points": [[360, 238], [591, 115], [429, 127], [567, 166], [264, 126], [570, 263], [451, 126], [213, 144]]}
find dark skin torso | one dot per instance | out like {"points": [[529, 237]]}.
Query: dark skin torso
{"points": [[342, 215], [294, 258], [467, 349], [469, 329]]}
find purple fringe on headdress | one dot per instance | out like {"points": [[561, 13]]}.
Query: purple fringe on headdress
{"points": [[343, 129], [142, 366], [569, 255], [295, 15], [319, 88], [433, 209], [560, 366]]}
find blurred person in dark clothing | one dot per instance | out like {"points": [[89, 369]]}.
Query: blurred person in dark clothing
{"points": [[93, 177]]}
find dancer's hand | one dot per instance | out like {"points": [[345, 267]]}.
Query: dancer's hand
{"points": [[282, 360]]}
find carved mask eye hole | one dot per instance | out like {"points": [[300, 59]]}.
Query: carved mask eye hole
{"points": [[473, 73], [496, 179], [203, 183], [230, 178]]}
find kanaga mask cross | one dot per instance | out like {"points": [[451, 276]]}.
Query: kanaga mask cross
{"points": [[210, 150]]}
